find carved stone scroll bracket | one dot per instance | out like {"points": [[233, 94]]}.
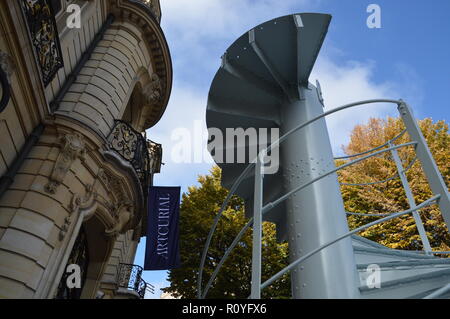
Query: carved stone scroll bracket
{"points": [[72, 147], [124, 215], [78, 203]]}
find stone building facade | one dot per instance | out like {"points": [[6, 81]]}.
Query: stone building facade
{"points": [[75, 165]]}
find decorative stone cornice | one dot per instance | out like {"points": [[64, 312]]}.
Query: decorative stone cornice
{"points": [[140, 14]]}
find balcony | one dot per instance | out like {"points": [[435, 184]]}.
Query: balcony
{"points": [[144, 155], [130, 277]]}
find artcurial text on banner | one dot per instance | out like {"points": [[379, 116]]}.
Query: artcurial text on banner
{"points": [[162, 248]]}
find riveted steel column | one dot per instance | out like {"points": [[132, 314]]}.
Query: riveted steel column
{"points": [[429, 166], [411, 201], [316, 214], [257, 232]]}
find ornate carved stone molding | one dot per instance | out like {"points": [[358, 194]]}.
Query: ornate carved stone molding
{"points": [[138, 13], [153, 91], [7, 65], [78, 202], [72, 147], [124, 215]]}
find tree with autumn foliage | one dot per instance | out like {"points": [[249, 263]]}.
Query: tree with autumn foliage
{"points": [[399, 233], [198, 208]]}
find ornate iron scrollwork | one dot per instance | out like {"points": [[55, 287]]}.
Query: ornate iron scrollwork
{"points": [[130, 277], [132, 146], [44, 36], [155, 153]]}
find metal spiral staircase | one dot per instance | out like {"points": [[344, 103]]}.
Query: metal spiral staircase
{"points": [[263, 83]]}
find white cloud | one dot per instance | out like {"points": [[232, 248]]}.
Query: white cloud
{"points": [[350, 82], [200, 19], [199, 31], [186, 109]]}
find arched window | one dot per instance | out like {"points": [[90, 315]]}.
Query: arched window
{"points": [[79, 256]]}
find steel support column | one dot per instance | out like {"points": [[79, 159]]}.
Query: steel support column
{"points": [[257, 232], [316, 214]]}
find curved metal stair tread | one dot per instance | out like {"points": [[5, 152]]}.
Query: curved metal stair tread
{"points": [[388, 253], [409, 286], [259, 72], [359, 241], [405, 264], [401, 270]]}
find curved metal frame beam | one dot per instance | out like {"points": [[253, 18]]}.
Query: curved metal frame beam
{"points": [[373, 149], [438, 292], [216, 221], [356, 230], [269, 206], [384, 180], [247, 170]]}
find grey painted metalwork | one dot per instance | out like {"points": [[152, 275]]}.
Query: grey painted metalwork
{"points": [[429, 166], [306, 155], [271, 205], [266, 208], [373, 149], [246, 172], [257, 232], [258, 87], [354, 231], [411, 201], [439, 292], [214, 225]]}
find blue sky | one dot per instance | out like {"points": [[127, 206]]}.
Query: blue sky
{"points": [[407, 58]]}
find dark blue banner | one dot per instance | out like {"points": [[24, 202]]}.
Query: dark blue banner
{"points": [[162, 251]]}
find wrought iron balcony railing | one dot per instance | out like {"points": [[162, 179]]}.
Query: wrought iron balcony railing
{"points": [[130, 276], [155, 152], [144, 155], [44, 36]]}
